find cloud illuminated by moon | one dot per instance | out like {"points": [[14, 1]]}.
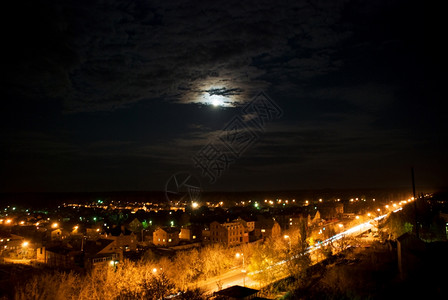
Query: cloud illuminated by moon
{"points": [[218, 97], [230, 89]]}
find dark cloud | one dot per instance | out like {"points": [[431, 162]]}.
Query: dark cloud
{"points": [[118, 93], [99, 55]]}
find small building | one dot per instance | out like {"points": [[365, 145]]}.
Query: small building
{"points": [[266, 227], [15, 246], [229, 233], [59, 256], [10, 241], [166, 236], [101, 252], [237, 292], [125, 239], [249, 226], [88, 254], [187, 234], [205, 234], [331, 210], [56, 234]]}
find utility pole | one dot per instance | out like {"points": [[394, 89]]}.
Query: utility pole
{"points": [[415, 203]]}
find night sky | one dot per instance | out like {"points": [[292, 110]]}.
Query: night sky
{"points": [[120, 95]]}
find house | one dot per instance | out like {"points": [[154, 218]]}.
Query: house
{"points": [[237, 292], [266, 227], [229, 233], [101, 252], [166, 236], [188, 234], [249, 226], [56, 234], [205, 235], [10, 241], [87, 254], [13, 245], [125, 239], [60, 256], [331, 210]]}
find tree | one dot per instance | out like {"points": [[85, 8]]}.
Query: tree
{"points": [[299, 260], [190, 264], [267, 260], [160, 287], [136, 226], [396, 225], [215, 259], [316, 218]]}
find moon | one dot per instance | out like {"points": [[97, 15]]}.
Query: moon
{"points": [[216, 100]]}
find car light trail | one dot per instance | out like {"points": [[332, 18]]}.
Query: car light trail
{"points": [[356, 230]]}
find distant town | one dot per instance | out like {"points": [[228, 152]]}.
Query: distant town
{"points": [[105, 233]]}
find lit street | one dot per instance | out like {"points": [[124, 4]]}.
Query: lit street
{"points": [[237, 277]]}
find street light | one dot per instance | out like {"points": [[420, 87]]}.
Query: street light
{"points": [[25, 245], [238, 255], [286, 237]]}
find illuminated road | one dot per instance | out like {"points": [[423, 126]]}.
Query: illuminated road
{"points": [[236, 277], [233, 277]]}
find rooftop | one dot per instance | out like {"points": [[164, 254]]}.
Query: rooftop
{"points": [[237, 292]]}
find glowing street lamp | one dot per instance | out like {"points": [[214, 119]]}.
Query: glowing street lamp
{"points": [[286, 237], [25, 245], [238, 255], [113, 263], [54, 225]]}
